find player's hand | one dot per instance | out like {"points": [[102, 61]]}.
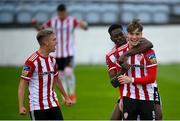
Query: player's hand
{"points": [[34, 20], [68, 101], [123, 79], [22, 110]]}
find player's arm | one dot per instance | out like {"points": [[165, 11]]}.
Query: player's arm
{"points": [[150, 78], [113, 77], [60, 87], [142, 47], [82, 24], [21, 91], [37, 25]]}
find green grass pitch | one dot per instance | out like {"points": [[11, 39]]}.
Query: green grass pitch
{"points": [[96, 97]]}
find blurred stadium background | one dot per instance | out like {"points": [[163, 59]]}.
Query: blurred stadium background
{"points": [[96, 97]]}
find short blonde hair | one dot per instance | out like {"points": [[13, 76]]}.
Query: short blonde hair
{"points": [[43, 34]]}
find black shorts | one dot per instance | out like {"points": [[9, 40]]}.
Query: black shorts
{"points": [[132, 108], [157, 98], [48, 114], [62, 63]]}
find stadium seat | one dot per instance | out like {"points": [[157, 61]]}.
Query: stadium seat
{"points": [[160, 18], [129, 12], [42, 12], [144, 16], [160, 14], [127, 16], [76, 11], [93, 13], [144, 13], [6, 13], [24, 14], [110, 13], [176, 10]]}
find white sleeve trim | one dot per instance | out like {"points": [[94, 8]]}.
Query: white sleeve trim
{"points": [[25, 77], [112, 68], [151, 65]]}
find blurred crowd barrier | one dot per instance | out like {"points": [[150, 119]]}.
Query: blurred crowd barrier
{"points": [[92, 45], [18, 13]]}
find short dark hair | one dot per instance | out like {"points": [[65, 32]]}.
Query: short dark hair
{"points": [[114, 26], [43, 34], [61, 7], [135, 25]]}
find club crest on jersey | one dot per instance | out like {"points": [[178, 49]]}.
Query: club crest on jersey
{"points": [[26, 70], [139, 57], [152, 58]]}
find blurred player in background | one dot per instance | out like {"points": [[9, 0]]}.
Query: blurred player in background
{"points": [[119, 38], [63, 26], [39, 74]]}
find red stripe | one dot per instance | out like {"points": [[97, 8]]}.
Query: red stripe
{"points": [[128, 90], [142, 75], [121, 88], [134, 75], [40, 72], [61, 30], [49, 83], [67, 46], [54, 97]]}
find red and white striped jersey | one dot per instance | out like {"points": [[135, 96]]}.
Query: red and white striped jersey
{"points": [[64, 31], [144, 78], [111, 60], [39, 72]]}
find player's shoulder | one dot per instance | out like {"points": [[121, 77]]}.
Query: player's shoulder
{"points": [[150, 54], [111, 52], [149, 51], [123, 47], [32, 57]]}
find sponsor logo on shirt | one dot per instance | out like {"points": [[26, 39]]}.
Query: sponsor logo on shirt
{"points": [[46, 73], [152, 58], [26, 70]]}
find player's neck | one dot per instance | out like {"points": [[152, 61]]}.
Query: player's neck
{"points": [[43, 52]]}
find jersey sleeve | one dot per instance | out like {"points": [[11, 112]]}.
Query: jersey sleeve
{"points": [[75, 22], [150, 58], [27, 70], [47, 24], [110, 62]]}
